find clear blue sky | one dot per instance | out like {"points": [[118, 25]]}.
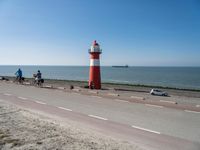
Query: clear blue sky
{"points": [[133, 32]]}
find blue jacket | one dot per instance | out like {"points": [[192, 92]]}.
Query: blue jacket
{"points": [[19, 73]]}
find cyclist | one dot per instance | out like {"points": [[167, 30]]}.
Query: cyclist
{"points": [[19, 75], [38, 77]]}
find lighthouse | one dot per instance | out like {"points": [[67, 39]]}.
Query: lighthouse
{"points": [[94, 74]]}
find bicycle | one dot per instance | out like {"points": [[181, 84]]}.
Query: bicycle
{"points": [[37, 82], [19, 80]]}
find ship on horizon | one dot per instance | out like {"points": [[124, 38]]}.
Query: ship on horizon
{"points": [[125, 66]]}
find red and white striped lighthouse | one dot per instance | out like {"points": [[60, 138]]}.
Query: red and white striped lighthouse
{"points": [[95, 75]]}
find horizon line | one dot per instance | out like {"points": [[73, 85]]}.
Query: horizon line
{"points": [[101, 65]]}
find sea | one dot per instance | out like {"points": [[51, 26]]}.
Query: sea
{"points": [[175, 77]]}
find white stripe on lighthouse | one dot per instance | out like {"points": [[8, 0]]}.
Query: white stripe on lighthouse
{"points": [[94, 62]]}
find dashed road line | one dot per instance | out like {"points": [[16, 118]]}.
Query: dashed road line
{"points": [[39, 102], [63, 108], [97, 117], [23, 98], [154, 105], [137, 97], [192, 111], [77, 90], [76, 93], [113, 94], [48, 86], [95, 96], [7, 94], [172, 102], [94, 92], [123, 101], [61, 88], [136, 127]]}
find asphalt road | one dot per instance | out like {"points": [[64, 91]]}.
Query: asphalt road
{"points": [[152, 127]]}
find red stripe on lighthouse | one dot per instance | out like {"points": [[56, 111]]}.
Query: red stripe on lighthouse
{"points": [[94, 55], [95, 77]]}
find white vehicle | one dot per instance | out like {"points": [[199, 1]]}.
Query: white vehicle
{"points": [[158, 92]]}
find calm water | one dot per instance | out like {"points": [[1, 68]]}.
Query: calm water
{"points": [[180, 77]]}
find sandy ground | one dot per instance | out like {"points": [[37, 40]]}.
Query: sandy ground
{"points": [[22, 129]]}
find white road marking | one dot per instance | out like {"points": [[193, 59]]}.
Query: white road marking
{"points": [[192, 111], [77, 90], [48, 86], [95, 96], [95, 92], [113, 94], [139, 98], [26, 83], [64, 108], [97, 117], [7, 94], [123, 101], [39, 102], [61, 88], [24, 98], [172, 102], [145, 129], [197, 105], [76, 93], [154, 105]]}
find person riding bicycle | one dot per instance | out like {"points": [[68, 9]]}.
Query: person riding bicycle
{"points": [[38, 76], [19, 75]]}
